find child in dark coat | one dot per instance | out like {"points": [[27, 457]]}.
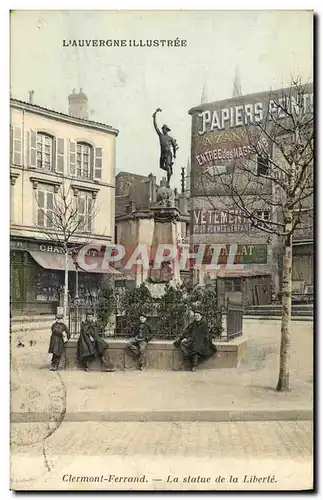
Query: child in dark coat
{"points": [[60, 335]]}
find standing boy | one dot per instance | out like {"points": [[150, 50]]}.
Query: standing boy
{"points": [[60, 335]]}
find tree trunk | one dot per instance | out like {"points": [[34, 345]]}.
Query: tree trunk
{"points": [[65, 303], [283, 381]]}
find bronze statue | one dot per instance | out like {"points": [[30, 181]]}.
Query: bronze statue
{"points": [[168, 148]]}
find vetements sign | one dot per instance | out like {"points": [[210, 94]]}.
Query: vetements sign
{"points": [[220, 221]]}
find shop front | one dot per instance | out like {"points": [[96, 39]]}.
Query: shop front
{"points": [[37, 271]]}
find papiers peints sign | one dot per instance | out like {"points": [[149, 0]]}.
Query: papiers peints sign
{"points": [[222, 132]]}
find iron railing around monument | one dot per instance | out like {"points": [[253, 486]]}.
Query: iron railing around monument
{"points": [[122, 329], [234, 320], [77, 314]]}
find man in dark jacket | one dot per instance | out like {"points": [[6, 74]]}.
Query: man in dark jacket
{"points": [[90, 344], [60, 335], [196, 342], [137, 347]]}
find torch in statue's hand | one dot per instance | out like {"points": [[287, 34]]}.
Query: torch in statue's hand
{"points": [[158, 110]]}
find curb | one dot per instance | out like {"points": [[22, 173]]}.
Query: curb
{"points": [[310, 319], [168, 416]]}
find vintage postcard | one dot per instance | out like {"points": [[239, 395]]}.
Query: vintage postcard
{"points": [[161, 250]]}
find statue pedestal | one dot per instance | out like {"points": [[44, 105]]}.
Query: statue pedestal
{"points": [[159, 224], [165, 233]]}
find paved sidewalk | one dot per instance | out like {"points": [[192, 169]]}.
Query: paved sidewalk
{"points": [[249, 388], [106, 423]]}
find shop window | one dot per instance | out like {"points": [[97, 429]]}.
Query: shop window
{"points": [[47, 285], [232, 285]]}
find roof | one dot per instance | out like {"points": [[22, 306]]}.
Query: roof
{"points": [[263, 94], [131, 174], [57, 114]]}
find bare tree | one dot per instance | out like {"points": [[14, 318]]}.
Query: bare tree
{"points": [[272, 185], [65, 220]]}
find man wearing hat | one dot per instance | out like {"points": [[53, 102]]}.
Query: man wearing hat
{"points": [[196, 342], [90, 344], [137, 347], [168, 147], [60, 335]]}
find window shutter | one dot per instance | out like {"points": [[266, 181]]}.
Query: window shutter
{"points": [[89, 213], [40, 208], [50, 200], [49, 211], [72, 158], [41, 199], [60, 147], [32, 148], [17, 146], [11, 144], [98, 160]]}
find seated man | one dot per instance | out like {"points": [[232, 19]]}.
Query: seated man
{"points": [[196, 342], [137, 346], [90, 344]]}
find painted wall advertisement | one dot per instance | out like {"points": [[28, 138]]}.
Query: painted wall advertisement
{"points": [[224, 133], [215, 221], [242, 254]]}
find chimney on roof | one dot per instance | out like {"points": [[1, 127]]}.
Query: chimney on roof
{"points": [[77, 104], [31, 96]]}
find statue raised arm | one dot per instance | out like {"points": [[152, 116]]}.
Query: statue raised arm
{"points": [[158, 110], [168, 147]]}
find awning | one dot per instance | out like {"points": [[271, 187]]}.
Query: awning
{"points": [[55, 261], [241, 273], [91, 264]]}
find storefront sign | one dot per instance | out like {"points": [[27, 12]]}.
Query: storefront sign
{"points": [[16, 244], [220, 221], [243, 254]]}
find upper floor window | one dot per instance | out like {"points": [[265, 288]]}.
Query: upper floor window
{"points": [[262, 165], [84, 160], [263, 215], [44, 151], [85, 211], [45, 206]]}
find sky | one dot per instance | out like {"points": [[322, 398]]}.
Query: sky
{"points": [[125, 85]]}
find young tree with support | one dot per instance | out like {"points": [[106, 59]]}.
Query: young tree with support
{"points": [[65, 220], [272, 186]]}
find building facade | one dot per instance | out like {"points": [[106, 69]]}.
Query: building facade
{"points": [[54, 153], [249, 260]]}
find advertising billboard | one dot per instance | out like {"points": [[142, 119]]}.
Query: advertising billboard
{"points": [[224, 134]]}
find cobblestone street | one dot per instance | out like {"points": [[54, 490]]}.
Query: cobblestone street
{"points": [[198, 439], [283, 449]]}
